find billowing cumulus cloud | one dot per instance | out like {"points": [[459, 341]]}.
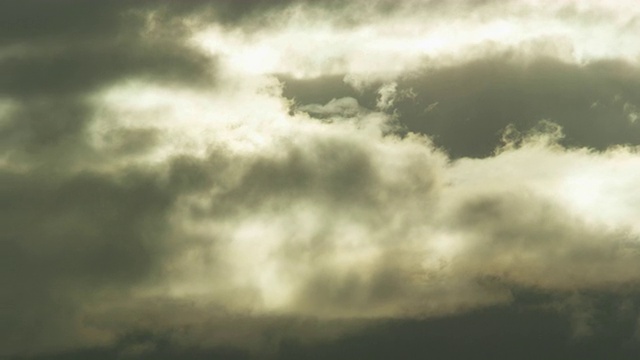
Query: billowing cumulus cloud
{"points": [[246, 179]]}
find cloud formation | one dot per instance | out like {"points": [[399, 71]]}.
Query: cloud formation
{"points": [[178, 177]]}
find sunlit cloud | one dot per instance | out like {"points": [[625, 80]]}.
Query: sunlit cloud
{"points": [[241, 174], [301, 42]]}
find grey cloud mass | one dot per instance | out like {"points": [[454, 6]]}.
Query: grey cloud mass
{"points": [[466, 107], [323, 180]]}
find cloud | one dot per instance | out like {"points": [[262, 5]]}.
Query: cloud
{"points": [[380, 40], [476, 100], [51, 63], [337, 219], [346, 106], [66, 236], [174, 179]]}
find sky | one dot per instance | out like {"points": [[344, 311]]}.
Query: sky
{"points": [[297, 179]]}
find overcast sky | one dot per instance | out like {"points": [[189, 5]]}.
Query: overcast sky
{"points": [[298, 179]]}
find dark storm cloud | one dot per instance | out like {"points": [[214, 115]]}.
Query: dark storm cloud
{"points": [[65, 237], [498, 333], [466, 107], [145, 345], [519, 331]]}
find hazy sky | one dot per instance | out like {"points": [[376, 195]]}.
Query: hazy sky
{"points": [[298, 179]]}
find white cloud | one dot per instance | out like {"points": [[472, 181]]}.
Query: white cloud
{"points": [[310, 41], [386, 96], [336, 219]]}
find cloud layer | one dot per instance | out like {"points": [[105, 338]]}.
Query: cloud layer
{"points": [[221, 176]]}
